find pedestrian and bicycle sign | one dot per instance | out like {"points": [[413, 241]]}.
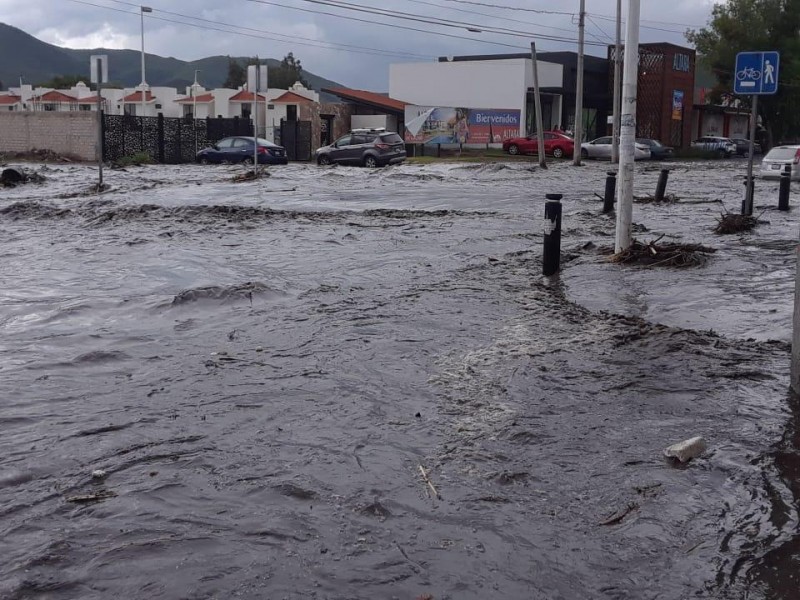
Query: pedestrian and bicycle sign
{"points": [[756, 73]]}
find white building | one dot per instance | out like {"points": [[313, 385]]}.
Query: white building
{"points": [[481, 82]]}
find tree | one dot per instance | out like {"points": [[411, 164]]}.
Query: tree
{"points": [[747, 25], [237, 75], [285, 75], [62, 82]]}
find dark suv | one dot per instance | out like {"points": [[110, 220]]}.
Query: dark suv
{"points": [[365, 147]]}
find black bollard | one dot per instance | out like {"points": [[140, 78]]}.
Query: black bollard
{"points": [[551, 257], [748, 210], [661, 188], [611, 190], [786, 186]]}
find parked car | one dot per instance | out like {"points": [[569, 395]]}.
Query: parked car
{"points": [[365, 147], [239, 149], [601, 148], [743, 146], [556, 144], [658, 151], [720, 146], [779, 159]]}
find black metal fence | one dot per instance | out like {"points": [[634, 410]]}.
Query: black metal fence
{"points": [[166, 140]]}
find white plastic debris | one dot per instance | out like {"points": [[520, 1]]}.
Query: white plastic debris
{"points": [[686, 450], [98, 474]]}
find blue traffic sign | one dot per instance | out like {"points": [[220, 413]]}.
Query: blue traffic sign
{"points": [[756, 73]]}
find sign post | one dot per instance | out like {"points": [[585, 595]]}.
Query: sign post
{"points": [[756, 74], [98, 66]]}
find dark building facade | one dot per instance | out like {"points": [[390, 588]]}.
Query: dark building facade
{"points": [[665, 92], [597, 91]]}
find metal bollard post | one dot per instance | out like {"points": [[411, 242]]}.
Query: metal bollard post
{"points": [[611, 190], [551, 257], [785, 189], [661, 188], [747, 206]]}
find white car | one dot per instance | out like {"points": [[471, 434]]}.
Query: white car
{"points": [[601, 148], [779, 159], [721, 146]]}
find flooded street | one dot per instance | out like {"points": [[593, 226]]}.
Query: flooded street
{"points": [[340, 383]]}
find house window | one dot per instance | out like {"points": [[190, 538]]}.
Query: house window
{"points": [[187, 111], [130, 110], [247, 110], [86, 107], [270, 106], [10, 108], [49, 107], [158, 107]]}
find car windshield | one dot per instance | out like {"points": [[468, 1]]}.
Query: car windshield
{"points": [[782, 153], [392, 138]]}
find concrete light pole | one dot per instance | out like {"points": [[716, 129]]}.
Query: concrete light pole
{"points": [[576, 154], [144, 9], [628, 129], [617, 77], [194, 108]]}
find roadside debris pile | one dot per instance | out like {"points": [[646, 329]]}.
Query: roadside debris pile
{"points": [[648, 199], [732, 223], [653, 254], [249, 175], [12, 177], [38, 156]]}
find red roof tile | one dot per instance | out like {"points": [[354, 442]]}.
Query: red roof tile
{"points": [[7, 99], [245, 96], [201, 99], [290, 98], [55, 96], [137, 97], [89, 100], [366, 97]]}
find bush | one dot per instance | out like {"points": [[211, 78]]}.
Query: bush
{"points": [[138, 159]]}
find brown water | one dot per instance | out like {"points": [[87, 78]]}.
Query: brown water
{"points": [[262, 368]]}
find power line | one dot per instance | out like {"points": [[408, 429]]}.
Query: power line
{"points": [[600, 29], [283, 38], [476, 28], [506, 7]]}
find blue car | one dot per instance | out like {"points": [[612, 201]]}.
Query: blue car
{"points": [[239, 149]]}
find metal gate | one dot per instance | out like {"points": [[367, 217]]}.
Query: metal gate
{"points": [[296, 138], [166, 140]]}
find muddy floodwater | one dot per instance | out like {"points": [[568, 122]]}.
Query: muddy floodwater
{"points": [[346, 384]]}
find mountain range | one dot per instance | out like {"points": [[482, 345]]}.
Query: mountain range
{"points": [[21, 54]]}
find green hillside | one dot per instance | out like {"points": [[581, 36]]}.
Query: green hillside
{"points": [[36, 61]]}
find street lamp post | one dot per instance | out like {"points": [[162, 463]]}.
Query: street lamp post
{"points": [[144, 9], [194, 108]]}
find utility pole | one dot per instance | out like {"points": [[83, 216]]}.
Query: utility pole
{"points": [[628, 129], [142, 10], [576, 155], [537, 102], [617, 82]]}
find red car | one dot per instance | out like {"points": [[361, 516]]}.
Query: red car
{"points": [[555, 143]]}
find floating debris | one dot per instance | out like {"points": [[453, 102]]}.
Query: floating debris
{"points": [[732, 223], [653, 254], [93, 497]]}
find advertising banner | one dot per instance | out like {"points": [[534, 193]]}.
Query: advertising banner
{"points": [[440, 125], [677, 105]]}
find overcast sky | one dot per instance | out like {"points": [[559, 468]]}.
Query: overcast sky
{"points": [[320, 40]]}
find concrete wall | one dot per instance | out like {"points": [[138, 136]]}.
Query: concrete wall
{"points": [[73, 133]]}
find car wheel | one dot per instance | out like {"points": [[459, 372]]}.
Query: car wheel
{"points": [[323, 160], [513, 149], [370, 162], [248, 160], [721, 154], [204, 161], [584, 153], [558, 152]]}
